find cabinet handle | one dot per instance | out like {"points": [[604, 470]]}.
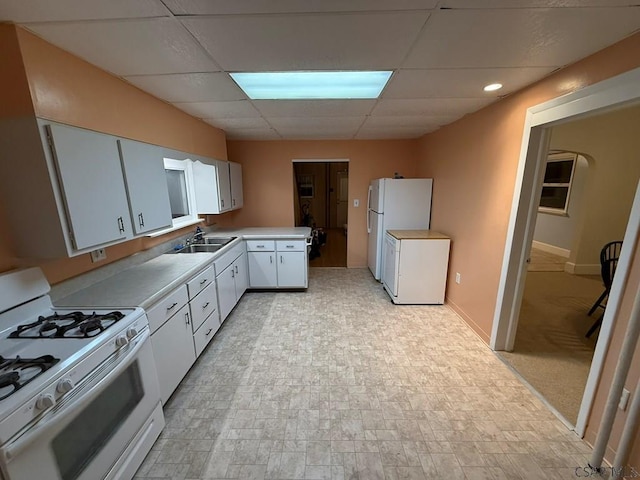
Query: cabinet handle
{"points": [[236, 268], [208, 332], [270, 259], [141, 219], [280, 258], [290, 246], [233, 273], [259, 246], [202, 282], [120, 225], [171, 306], [222, 202], [205, 305], [186, 317], [233, 202]]}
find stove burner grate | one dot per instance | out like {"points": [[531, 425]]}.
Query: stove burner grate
{"points": [[70, 325], [17, 372]]}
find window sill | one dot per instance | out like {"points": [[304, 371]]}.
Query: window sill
{"points": [[175, 227], [553, 211]]}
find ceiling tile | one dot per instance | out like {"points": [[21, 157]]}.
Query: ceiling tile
{"points": [[252, 134], [518, 37], [130, 47], [238, 123], [222, 7], [308, 42], [68, 10], [328, 133], [404, 121], [447, 107], [237, 109], [534, 3], [316, 122], [460, 82], [189, 87], [381, 133], [314, 108]]}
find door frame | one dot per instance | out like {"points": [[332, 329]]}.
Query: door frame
{"points": [[611, 94]]}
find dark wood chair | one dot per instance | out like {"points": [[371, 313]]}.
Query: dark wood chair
{"points": [[608, 263]]}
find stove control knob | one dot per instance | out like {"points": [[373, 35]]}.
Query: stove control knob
{"points": [[121, 341], [45, 401], [65, 385], [131, 332]]}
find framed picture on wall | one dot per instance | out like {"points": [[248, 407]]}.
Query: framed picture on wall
{"points": [[305, 185]]}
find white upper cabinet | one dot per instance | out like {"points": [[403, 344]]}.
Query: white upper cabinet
{"points": [[235, 175], [146, 183], [214, 186], [90, 175]]}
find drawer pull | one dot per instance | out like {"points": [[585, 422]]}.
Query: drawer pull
{"points": [[172, 306], [259, 246], [290, 246], [208, 332], [186, 317], [205, 305], [203, 281]]}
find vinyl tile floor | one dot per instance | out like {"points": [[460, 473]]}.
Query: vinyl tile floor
{"points": [[339, 383]]}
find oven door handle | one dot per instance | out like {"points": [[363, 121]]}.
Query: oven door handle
{"points": [[54, 418]]}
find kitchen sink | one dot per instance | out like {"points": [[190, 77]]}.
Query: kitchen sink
{"points": [[198, 247], [219, 240]]}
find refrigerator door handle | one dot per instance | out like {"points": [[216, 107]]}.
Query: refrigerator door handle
{"points": [[369, 209]]}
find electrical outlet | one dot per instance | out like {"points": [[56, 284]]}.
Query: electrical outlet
{"points": [[356, 202], [458, 277], [624, 399], [98, 255]]}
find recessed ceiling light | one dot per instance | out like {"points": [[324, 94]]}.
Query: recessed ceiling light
{"points": [[493, 87], [311, 85]]}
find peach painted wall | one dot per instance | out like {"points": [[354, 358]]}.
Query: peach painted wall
{"points": [[56, 85], [268, 186], [474, 163]]}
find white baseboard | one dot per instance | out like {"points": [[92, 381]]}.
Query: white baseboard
{"points": [[545, 247], [582, 269]]}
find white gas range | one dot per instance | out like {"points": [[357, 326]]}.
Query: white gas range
{"points": [[79, 396]]}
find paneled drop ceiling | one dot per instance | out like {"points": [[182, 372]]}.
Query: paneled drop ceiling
{"points": [[442, 53]]}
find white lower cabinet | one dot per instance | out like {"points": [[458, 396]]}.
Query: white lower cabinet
{"points": [[182, 324], [173, 351], [277, 264], [231, 279]]}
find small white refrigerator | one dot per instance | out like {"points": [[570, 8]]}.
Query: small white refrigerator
{"points": [[403, 203]]}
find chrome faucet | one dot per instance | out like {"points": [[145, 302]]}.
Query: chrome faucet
{"points": [[197, 237]]}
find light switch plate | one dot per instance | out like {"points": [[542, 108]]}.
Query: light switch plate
{"points": [[356, 202]]}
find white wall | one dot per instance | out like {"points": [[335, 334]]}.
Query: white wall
{"points": [[558, 230]]}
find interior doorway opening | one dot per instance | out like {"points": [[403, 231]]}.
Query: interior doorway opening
{"points": [[609, 95], [321, 202]]}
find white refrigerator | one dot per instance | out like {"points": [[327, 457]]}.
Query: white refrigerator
{"points": [[403, 203]]}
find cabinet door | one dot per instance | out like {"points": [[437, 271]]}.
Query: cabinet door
{"points": [[226, 291], [92, 183], [224, 185], [235, 175], [146, 184], [241, 275], [173, 351], [262, 269], [292, 269]]}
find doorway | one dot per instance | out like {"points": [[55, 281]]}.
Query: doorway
{"points": [[321, 202], [616, 93]]}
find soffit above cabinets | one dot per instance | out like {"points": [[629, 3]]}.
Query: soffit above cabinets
{"points": [[442, 53]]}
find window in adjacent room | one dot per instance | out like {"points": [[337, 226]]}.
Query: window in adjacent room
{"points": [[557, 183], [305, 185]]}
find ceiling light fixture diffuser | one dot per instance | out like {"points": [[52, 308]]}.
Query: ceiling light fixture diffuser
{"points": [[312, 85], [493, 87]]}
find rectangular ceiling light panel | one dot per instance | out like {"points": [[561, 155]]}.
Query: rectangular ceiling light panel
{"points": [[311, 85]]}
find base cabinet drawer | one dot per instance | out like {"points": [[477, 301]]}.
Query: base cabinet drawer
{"points": [[167, 307], [205, 333], [205, 304]]}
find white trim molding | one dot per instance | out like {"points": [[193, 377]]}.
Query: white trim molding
{"points": [[545, 247]]}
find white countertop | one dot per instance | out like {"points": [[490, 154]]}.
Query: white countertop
{"points": [[417, 235], [262, 232], [142, 285], [145, 284]]}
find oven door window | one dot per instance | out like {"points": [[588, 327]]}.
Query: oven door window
{"points": [[85, 436]]}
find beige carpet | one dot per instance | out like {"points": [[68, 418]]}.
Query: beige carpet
{"points": [[541, 261], [551, 351]]}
